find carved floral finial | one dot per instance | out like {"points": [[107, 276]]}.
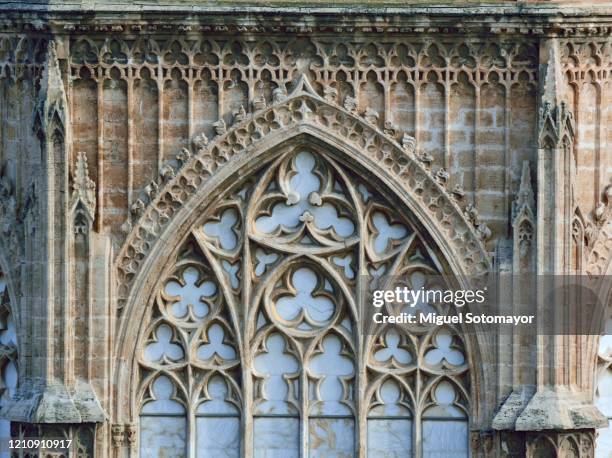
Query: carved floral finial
{"points": [[600, 211], [389, 129], [200, 141], [151, 190], [442, 176], [330, 94], [166, 173], [279, 94], [409, 144], [471, 212], [83, 187], [137, 208], [458, 192], [240, 115], [603, 209], [371, 115], [183, 156], [425, 158], [608, 195], [220, 127], [350, 104]]}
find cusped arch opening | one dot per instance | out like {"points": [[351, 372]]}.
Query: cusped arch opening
{"points": [[304, 200]]}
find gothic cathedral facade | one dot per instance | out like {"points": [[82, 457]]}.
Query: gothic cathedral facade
{"points": [[178, 181]]}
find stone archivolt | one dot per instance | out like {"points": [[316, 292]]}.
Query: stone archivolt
{"points": [[268, 275]]}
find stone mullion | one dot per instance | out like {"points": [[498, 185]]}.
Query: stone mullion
{"points": [[606, 128], [100, 187], [447, 87], [477, 108], [598, 174], [251, 82], [417, 105], [160, 116], [70, 98], [387, 95], [191, 406], [191, 79], [361, 404], [577, 115], [220, 90], [304, 407], [240, 328], [417, 443], [245, 364], [130, 140], [356, 85], [507, 170]]}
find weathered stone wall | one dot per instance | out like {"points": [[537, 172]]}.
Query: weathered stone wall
{"points": [[470, 103]]}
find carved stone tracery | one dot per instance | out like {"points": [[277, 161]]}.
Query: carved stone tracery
{"points": [[263, 306]]}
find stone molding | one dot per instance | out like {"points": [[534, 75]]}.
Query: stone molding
{"points": [[504, 18]]}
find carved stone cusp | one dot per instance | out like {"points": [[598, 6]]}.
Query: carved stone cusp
{"points": [[315, 199], [307, 217]]}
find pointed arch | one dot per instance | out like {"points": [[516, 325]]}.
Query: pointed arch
{"points": [[223, 199]]}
